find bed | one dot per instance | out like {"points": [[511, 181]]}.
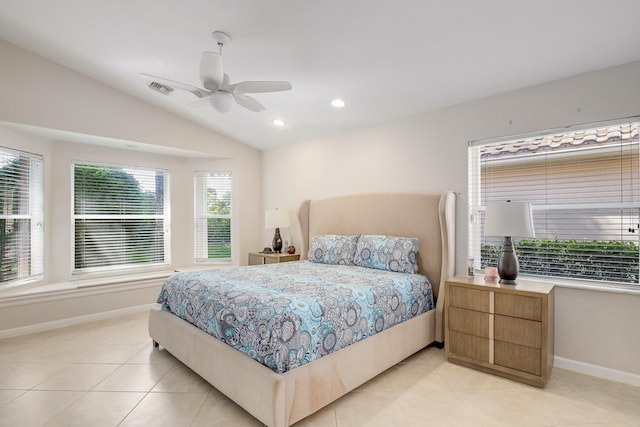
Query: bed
{"points": [[281, 399]]}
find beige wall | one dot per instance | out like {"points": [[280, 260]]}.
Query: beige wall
{"points": [[35, 94], [428, 152]]}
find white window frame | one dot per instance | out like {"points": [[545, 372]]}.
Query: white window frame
{"points": [[202, 184], [33, 268], [165, 217], [476, 207]]}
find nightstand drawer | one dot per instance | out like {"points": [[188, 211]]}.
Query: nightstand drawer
{"points": [[522, 306], [519, 357], [469, 346], [469, 321], [518, 331], [471, 299]]}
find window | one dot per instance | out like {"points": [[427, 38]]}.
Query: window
{"points": [[21, 218], [584, 187], [120, 217], [213, 216]]}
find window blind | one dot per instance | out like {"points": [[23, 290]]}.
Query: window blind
{"points": [[212, 216], [21, 215], [120, 217], [584, 188]]}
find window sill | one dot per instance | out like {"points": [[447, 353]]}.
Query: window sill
{"points": [[59, 290], [585, 285], [126, 278], [114, 283]]}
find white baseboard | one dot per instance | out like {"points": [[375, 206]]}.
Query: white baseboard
{"points": [[55, 324], [597, 371]]}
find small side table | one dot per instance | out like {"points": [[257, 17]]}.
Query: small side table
{"points": [[256, 258]]}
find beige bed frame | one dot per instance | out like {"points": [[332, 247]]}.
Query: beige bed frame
{"points": [[279, 400]]}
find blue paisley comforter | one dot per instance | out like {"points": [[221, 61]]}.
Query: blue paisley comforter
{"points": [[289, 314]]}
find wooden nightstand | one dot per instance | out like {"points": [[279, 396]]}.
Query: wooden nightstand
{"points": [[505, 330], [272, 258]]}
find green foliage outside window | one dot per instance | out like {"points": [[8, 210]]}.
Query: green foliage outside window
{"points": [[219, 232], [612, 261], [105, 192], [218, 229], [12, 178]]}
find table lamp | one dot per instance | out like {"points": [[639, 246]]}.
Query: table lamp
{"points": [[508, 219], [276, 219]]}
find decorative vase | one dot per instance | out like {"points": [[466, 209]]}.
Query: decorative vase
{"points": [[277, 241]]}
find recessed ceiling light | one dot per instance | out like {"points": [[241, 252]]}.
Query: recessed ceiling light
{"points": [[278, 122], [338, 103]]}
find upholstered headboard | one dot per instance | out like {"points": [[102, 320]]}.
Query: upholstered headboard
{"points": [[430, 217]]}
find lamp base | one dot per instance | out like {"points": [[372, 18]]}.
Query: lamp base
{"points": [[277, 242], [508, 263]]}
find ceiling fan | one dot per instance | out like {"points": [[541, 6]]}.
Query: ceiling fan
{"points": [[217, 87]]}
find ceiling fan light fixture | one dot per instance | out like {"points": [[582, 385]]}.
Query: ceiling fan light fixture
{"points": [[338, 103], [278, 122], [221, 101]]}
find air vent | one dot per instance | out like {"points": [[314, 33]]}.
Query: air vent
{"points": [[165, 90]]}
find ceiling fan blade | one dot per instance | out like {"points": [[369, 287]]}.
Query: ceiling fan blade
{"points": [[259, 87], [211, 70], [200, 93], [248, 102]]}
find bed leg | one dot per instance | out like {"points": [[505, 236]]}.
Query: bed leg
{"points": [[156, 344]]}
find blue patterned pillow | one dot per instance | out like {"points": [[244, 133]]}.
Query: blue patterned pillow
{"points": [[333, 249], [388, 253]]}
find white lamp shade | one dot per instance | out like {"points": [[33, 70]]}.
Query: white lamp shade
{"points": [[511, 219], [276, 219]]}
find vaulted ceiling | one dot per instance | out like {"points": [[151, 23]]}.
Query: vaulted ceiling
{"points": [[385, 59]]}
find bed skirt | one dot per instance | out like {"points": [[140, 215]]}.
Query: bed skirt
{"points": [[279, 400]]}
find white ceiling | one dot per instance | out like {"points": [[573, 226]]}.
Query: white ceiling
{"points": [[386, 59]]}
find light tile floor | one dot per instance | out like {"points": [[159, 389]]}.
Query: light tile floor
{"points": [[107, 374]]}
